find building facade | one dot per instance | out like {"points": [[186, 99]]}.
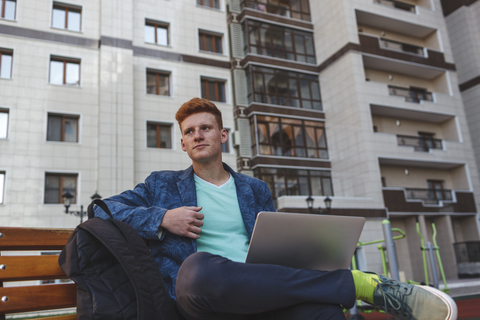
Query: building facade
{"points": [[355, 100]]}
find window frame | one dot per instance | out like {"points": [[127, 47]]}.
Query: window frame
{"points": [[67, 8], [7, 111], [158, 125], [65, 61], [279, 7], [277, 97], [62, 176], [318, 131], [266, 45], [3, 186], [6, 52], [211, 4], [311, 174], [202, 41], [157, 74], [157, 24], [64, 117], [217, 82], [3, 5]]}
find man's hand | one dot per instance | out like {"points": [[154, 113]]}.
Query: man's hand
{"points": [[184, 221]]}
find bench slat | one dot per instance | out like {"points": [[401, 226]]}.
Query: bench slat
{"points": [[30, 268], [42, 297], [66, 317], [15, 238]]}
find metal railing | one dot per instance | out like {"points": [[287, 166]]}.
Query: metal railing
{"points": [[400, 46], [419, 143], [410, 94], [397, 4], [429, 196], [468, 251], [467, 255]]}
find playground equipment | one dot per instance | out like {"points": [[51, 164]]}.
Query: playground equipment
{"points": [[431, 248], [387, 248]]}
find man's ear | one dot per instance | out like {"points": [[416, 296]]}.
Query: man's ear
{"points": [[184, 148], [224, 133]]}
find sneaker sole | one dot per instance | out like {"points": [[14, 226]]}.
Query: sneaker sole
{"points": [[451, 305]]}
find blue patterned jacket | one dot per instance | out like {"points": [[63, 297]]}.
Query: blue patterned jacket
{"points": [[144, 207]]}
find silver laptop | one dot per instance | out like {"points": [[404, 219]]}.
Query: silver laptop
{"points": [[304, 241]]}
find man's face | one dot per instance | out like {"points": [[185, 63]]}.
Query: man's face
{"points": [[202, 138]]}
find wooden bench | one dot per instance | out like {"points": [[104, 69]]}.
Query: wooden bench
{"points": [[16, 265]]}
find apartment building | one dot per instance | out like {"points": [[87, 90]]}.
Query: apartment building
{"points": [[383, 131], [354, 100]]}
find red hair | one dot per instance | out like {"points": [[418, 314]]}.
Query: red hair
{"points": [[197, 105]]}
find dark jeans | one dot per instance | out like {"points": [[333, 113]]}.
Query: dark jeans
{"points": [[211, 287]]}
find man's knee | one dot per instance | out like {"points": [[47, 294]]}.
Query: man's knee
{"points": [[200, 272]]}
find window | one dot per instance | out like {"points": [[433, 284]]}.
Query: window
{"points": [[296, 182], [156, 32], [6, 58], [159, 135], [279, 42], [288, 137], [158, 82], [56, 184], [297, 9], [285, 88], [2, 185], [436, 192], [209, 3], [64, 71], [66, 16], [213, 90], [3, 123], [226, 145], [62, 128], [7, 9], [210, 42]]}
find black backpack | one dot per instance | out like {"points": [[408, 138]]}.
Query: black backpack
{"points": [[115, 273]]}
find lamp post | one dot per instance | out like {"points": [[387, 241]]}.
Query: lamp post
{"points": [[67, 201], [327, 201]]}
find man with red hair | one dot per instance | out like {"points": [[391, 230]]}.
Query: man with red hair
{"points": [[199, 222]]}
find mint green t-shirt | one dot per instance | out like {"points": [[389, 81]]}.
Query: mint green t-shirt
{"points": [[224, 231]]}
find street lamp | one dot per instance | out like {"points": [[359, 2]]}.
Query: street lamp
{"points": [[67, 201], [309, 203], [327, 201]]}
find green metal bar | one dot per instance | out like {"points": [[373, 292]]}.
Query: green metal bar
{"points": [[401, 236], [437, 249], [384, 260], [423, 252]]}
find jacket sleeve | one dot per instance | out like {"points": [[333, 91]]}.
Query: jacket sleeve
{"points": [[135, 207]]}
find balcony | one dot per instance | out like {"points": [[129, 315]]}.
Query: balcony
{"points": [[429, 196], [400, 46], [420, 143], [399, 200], [429, 64], [415, 95], [397, 5]]}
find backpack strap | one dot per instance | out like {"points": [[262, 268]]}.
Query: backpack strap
{"points": [[102, 205]]}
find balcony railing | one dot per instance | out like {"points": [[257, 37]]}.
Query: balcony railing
{"points": [[468, 259], [429, 196], [400, 46], [419, 143], [410, 94], [397, 4]]}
